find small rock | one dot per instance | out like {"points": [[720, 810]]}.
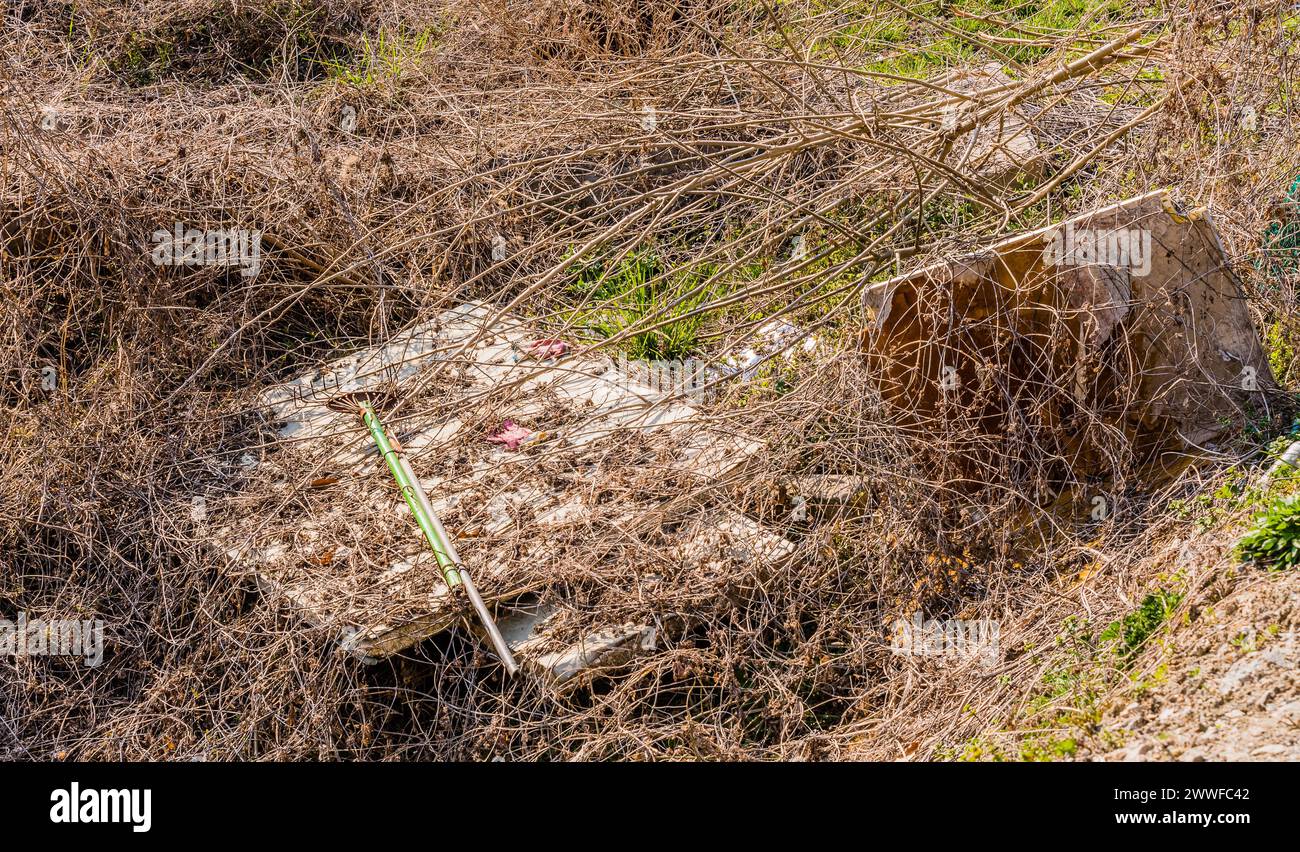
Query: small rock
{"points": [[1169, 714], [1242, 671], [1137, 753], [1289, 711], [1193, 755]]}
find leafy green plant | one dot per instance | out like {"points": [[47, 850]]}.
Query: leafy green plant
{"points": [[1273, 540], [1132, 631], [1042, 749], [974, 750]]}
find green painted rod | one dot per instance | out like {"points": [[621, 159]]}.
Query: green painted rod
{"points": [[411, 492], [453, 570]]}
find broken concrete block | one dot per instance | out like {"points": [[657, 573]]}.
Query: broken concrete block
{"points": [[526, 626], [730, 536], [1002, 149], [350, 557], [1116, 340], [610, 647]]}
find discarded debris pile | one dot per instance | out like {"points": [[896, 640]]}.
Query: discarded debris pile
{"points": [[1116, 342], [585, 484]]}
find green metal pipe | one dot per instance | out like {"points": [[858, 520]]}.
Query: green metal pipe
{"points": [[412, 493], [444, 549]]}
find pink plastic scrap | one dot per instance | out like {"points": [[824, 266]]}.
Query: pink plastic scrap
{"points": [[511, 434], [547, 348]]}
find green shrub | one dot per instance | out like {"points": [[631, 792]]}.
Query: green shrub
{"points": [[1274, 539]]}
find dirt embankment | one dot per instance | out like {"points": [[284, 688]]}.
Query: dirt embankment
{"points": [[1231, 662]]}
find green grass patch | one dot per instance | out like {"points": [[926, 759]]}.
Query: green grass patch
{"points": [[1280, 341], [382, 57], [618, 296], [1069, 706], [1240, 490], [987, 30]]}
